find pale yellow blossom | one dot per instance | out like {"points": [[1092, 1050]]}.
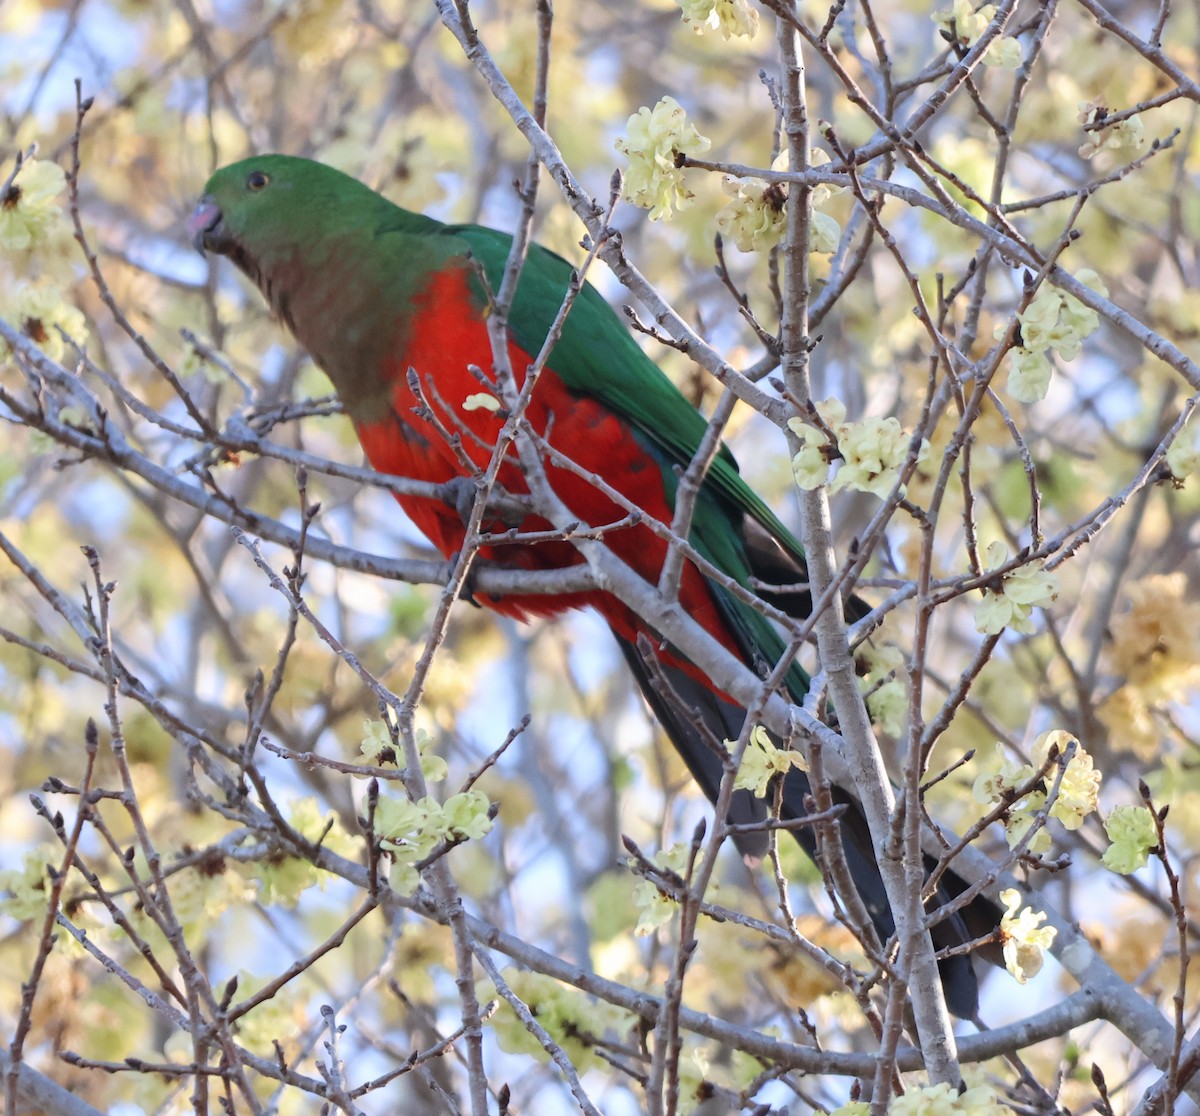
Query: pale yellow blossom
{"points": [[1029, 375], [872, 451], [653, 138], [999, 774], [1077, 795], [883, 684], [378, 749], [40, 312], [1057, 320], [945, 1100], [1020, 591], [730, 17], [464, 816], [824, 233], [1079, 791], [1125, 137], [28, 888], [1019, 822], [1130, 723], [1183, 456], [963, 23], [762, 761], [1023, 936], [1133, 834], [1053, 321], [810, 466], [1156, 642], [29, 213], [755, 218], [1004, 54], [656, 909]]}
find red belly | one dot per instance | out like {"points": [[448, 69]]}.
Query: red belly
{"points": [[442, 343]]}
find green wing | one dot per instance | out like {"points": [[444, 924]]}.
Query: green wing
{"points": [[597, 356]]}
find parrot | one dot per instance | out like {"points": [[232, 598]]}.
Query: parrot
{"points": [[393, 306]]}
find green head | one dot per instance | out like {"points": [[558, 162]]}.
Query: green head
{"points": [[276, 204]]}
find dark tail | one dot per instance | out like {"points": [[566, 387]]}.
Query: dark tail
{"points": [[698, 720]]}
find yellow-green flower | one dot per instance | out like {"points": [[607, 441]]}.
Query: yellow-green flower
{"points": [[652, 140], [762, 761], [1133, 834], [465, 816], [1079, 791], [27, 888], [1024, 937], [963, 23], [1183, 456], [1053, 320], [1004, 54], [40, 312], [730, 17], [378, 749], [1021, 590], [945, 1100], [654, 908], [1124, 138], [575, 1021], [755, 219], [1077, 795], [1029, 375], [887, 694], [872, 451], [28, 211]]}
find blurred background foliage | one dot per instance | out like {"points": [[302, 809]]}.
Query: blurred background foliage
{"points": [[380, 90]]}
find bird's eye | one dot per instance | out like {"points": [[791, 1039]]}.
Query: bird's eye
{"points": [[257, 180]]}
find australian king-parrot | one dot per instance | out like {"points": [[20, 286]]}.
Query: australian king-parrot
{"points": [[373, 291]]}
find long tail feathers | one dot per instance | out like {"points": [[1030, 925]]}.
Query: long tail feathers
{"points": [[698, 721]]}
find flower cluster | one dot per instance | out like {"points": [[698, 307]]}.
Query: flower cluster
{"points": [[887, 695], [653, 139], [762, 761], [574, 1021], [963, 25], [935, 1100], [1155, 648], [730, 17], [378, 748], [34, 234], [1125, 137], [1053, 321], [39, 311], [27, 887], [414, 829], [1078, 790], [756, 217], [1183, 456], [1133, 836], [284, 879], [1010, 604], [1156, 643], [873, 451], [655, 909], [29, 213], [1023, 936]]}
